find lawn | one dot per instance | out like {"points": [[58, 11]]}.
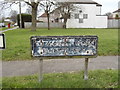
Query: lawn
{"points": [[97, 79], [18, 41], [3, 28]]}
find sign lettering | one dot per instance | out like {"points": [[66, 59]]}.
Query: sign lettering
{"points": [[43, 46]]}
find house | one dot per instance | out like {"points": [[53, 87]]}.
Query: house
{"points": [[43, 18], [87, 15], [116, 14], [54, 15], [8, 20], [114, 20]]}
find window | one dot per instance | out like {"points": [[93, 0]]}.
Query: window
{"points": [[81, 20], [85, 16], [76, 16], [80, 11]]}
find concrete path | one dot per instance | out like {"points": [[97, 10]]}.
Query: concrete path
{"points": [[9, 29], [19, 68]]}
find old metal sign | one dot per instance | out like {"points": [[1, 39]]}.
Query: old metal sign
{"points": [[2, 41], [45, 46]]}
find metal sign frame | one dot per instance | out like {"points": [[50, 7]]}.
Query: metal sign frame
{"points": [[3, 37], [63, 56]]}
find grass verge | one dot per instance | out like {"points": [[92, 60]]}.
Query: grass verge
{"points": [[97, 79], [18, 41], [4, 28]]}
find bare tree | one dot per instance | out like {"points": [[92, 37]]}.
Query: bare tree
{"points": [[31, 3], [34, 6], [65, 9], [109, 14], [13, 15], [47, 5], [29, 10]]}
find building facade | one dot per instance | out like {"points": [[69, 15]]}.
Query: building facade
{"points": [[88, 15]]}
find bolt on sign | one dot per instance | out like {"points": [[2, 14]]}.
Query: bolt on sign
{"points": [[47, 46], [2, 41]]}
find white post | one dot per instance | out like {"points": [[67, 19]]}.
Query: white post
{"points": [[41, 69], [20, 16], [0, 69], [86, 69]]}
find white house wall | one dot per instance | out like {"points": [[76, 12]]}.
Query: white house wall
{"points": [[92, 10], [98, 10]]}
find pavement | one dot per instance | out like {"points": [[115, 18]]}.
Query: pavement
{"points": [[30, 67], [9, 29]]}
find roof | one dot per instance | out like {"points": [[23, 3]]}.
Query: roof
{"points": [[80, 2], [117, 11], [43, 15]]}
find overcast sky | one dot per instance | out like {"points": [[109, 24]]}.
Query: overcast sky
{"points": [[107, 6]]}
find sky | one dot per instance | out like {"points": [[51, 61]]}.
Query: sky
{"points": [[107, 6]]}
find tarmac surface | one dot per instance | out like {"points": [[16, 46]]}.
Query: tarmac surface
{"points": [[29, 67], [9, 29]]}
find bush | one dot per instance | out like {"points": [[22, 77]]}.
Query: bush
{"points": [[25, 18], [116, 16]]}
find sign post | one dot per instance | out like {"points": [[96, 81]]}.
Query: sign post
{"points": [[64, 46], [41, 69], [86, 69]]}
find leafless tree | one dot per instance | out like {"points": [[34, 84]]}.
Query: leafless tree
{"points": [[29, 10], [31, 3], [34, 6], [47, 5], [65, 9], [109, 14], [13, 15]]}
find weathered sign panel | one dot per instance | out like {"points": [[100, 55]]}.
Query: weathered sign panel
{"points": [[2, 41], [47, 46]]}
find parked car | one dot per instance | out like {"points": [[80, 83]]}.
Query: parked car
{"points": [[2, 24]]}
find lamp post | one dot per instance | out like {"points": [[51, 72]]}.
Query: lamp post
{"points": [[20, 17]]}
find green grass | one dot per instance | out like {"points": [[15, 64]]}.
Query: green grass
{"points": [[97, 79], [18, 41], [4, 28]]}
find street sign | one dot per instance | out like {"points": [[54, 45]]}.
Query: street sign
{"points": [[66, 46], [2, 41], [47, 46]]}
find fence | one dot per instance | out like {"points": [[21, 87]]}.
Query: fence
{"points": [[113, 23], [44, 25]]}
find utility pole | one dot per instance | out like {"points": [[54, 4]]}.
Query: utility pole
{"points": [[20, 17]]}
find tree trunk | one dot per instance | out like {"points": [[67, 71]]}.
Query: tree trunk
{"points": [[48, 17], [34, 15], [65, 21]]}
